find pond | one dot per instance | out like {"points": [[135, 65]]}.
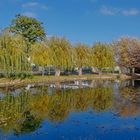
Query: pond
{"points": [[76, 110]]}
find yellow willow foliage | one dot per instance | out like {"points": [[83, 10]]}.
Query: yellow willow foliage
{"points": [[83, 55], [41, 54], [12, 109], [102, 99], [103, 56], [61, 52], [12, 57]]}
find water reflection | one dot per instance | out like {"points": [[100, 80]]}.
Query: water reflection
{"points": [[23, 110], [130, 98], [29, 124]]}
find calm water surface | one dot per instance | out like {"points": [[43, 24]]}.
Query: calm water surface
{"points": [[78, 110]]}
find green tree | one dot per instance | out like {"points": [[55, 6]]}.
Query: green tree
{"points": [[30, 28]]}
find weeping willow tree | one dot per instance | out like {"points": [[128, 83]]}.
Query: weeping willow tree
{"points": [[83, 56], [13, 60], [41, 55], [60, 54], [103, 56]]}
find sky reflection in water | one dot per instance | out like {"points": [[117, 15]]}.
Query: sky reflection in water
{"points": [[81, 110]]}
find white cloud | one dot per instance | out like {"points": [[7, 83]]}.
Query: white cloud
{"points": [[44, 7], [109, 10], [34, 5], [114, 11], [29, 14], [30, 4], [130, 12]]}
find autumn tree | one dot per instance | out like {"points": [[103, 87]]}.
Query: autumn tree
{"points": [[103, 56], [82, 57], [41, 55], [13, 60], [128, 53], [60, 53]]}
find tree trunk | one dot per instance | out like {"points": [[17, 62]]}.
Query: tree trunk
{"points": [[133, 71], [57, 72], [43, 70], [128, 70], [133, 83], [80, 71], [120, 70], [93, 69], [100, 71]]}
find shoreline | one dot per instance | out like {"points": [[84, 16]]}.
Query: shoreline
{"points": [[7, 82]]}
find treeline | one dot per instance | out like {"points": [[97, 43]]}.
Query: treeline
{"points": [[57, 52], [60, 53], [24, 44]]}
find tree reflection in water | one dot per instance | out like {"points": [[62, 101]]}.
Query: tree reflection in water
{"points": [[29, 124], [24, 110], [128, 103]]}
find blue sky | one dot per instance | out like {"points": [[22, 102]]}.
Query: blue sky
{"points": [[86, 21]]}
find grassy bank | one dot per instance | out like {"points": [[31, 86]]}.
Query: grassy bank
{"points": [[49, 79]]}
